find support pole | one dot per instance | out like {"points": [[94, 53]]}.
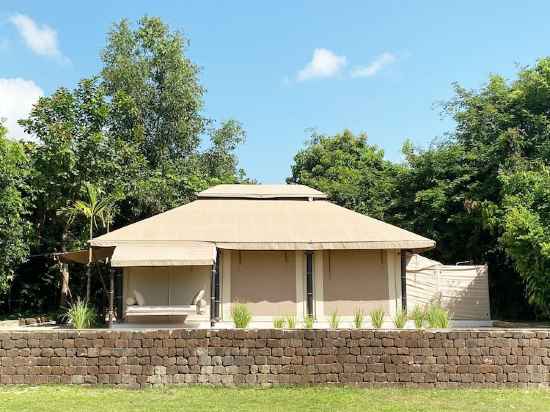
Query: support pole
{"points": [[309, 284], [111, 296], [404, 279], [214, 289]]}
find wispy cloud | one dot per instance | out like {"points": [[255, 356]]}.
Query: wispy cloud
{"points": [[41, 39], [323, 64], [375, 66], [17, 97]]}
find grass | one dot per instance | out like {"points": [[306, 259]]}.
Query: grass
{"points": [[195, 398], [437, 317], [418, 315], [358, 318], [309, 321], [241, 315], [278, 323], [377, 318], [291, 322], [400, 319], [334, 320], [81, 315]]}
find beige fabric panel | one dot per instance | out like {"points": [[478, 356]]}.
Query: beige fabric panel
{"points": [[354, 279], [262, 192], [265, 281], [463, 290], [253, 224], [170, 285], [174, 254]]}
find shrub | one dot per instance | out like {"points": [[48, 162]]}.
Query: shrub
{"points": [[241, 315], [278, 323], [400, 319], [334, 320], [81, 315], [377, 318], [358, 318], [418, 315], [308, 322], [291, 321], [437, 317]]}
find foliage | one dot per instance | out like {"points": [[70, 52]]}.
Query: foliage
{"points": [[291, 398], [278, 323], [291, 322], [15, 228], [81, 315], [358, 318], [334, 320], [418, 315], [437, 317], [309, 321], [353, 173], [241, 315], [400, 319], [377, 318]]}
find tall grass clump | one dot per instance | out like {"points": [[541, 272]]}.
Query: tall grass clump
{"points": [[437, 317], [308, 322], [241, 315], [418, 315], [400, 319], [358, 318], [334, 320], [377, 318], [291, 322], [278, 323], [81, 315]]}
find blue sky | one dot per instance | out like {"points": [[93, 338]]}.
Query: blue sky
{"points": [[283, 67]]}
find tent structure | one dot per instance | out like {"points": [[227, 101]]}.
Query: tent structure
{"points": [[281, 249]]}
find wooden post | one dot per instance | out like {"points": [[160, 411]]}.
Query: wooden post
{"points": [[111, 296]]}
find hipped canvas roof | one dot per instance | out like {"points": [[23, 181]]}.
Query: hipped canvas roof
{"points": [[256, 217]]}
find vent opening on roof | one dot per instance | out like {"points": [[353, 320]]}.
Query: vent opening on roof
{"points": [[262, 192]]}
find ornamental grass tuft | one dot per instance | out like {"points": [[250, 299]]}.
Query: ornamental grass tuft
{"points": [[334, 320], [241, 315], [400, 319], [309, 321], [278, 323], [81, 315], [418, 315], [437, 317], [377, 318], [358, 318]]}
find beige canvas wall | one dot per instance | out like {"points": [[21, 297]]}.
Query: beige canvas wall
{"points": [[265, 281], [170, 285], [355, 279]]}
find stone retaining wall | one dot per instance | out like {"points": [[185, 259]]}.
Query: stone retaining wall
{"points": [[268, 357]]}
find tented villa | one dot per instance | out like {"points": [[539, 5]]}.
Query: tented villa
{"points": [[279, 249]]}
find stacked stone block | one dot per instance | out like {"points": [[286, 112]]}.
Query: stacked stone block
{"points": [[138, 359]]}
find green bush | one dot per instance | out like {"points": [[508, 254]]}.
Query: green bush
{"points": [[81, 315], [279, 323], [400, 319], [291, 322], [377, 318], [437, 317], [418, 315], [241, 315], [358, 318], [309, 321], [334, 320]]}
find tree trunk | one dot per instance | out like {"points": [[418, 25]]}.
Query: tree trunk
{"points": [[88, 281], [65, 291]]}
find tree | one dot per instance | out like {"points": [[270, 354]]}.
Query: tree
{"points": [[15, 229], [353, 173], [97, 208]]}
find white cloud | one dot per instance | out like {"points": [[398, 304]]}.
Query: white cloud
{"points": [[375, 66], [323, 64], [16, 99], [41, 39]]}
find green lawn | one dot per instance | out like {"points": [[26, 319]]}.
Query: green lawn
{"points": [[72, 398]]}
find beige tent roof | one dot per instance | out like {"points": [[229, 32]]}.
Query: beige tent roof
{"points": [[262, 192], [270, 224], [173, 254]]}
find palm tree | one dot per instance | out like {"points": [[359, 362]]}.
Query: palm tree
{"points": [[97, 209]]}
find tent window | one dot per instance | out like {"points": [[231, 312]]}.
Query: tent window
{"points": [[309, 283]]}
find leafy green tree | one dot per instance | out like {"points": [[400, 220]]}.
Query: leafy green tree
{"points": [[15, 234], [97, 208], [352, 172]]}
